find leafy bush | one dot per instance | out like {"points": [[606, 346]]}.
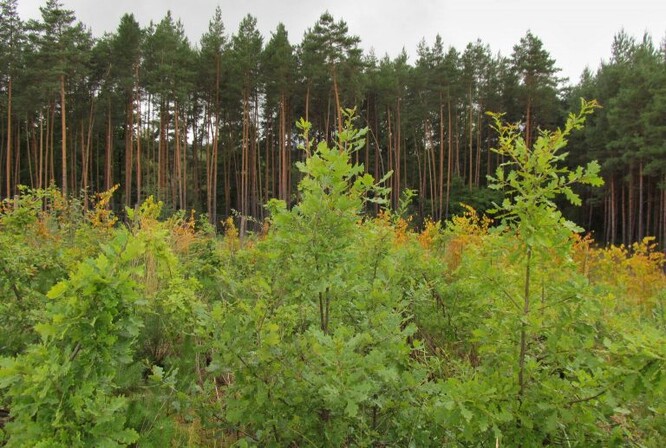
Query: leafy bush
{"points": [[333, 328]]}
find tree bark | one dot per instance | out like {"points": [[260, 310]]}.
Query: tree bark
{"points": [[641, 222], [108, 157], [138, 143], [449, 168], [178, 157], [440, 204], [471, 140], [63, 124], [129, 144], [523, 326], [8, 166]]}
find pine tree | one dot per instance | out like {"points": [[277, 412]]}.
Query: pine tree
{"points": [[279, 69], [62, 45], [213, 47], [536, 70], [327, 53], [169, 76], [246, 49], [124, 70], [11, 41]]}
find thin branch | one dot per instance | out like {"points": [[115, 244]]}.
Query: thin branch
{"points": [[582, 400]]}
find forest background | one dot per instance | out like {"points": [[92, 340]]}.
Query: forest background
{"points": [[211, 125]]}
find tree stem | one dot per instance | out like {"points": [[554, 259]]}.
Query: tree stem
{"points": [[523, 326]]}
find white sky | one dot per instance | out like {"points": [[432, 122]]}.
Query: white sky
{"points": [[577, 33]]}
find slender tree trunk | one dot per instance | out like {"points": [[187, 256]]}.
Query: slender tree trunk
{"points": [[523, 326], [245, 164], [327, 123], [430, 149], [129, 144], [31, 145], [366, 149], [73, 172], [398, 152], [289, 146], [108, 153], [256, 160], [457, 159], [377, 170], [40, 169], [9, 138], [641, 222], [138, 142], [625, 224], [63, 124], [449, 168], [85, 154], [405, 163], [338, 109], [471, 140], [477, 175], [663, 213], [394, 201], [75, 140], [421, 180], [613, 211], [268, 186], [213, 192], [51, 143], [489, 159], [226, 167], [528, 123], [17, 159], [282, 148], [307, 113], [631, 207], [649, 228], [178, 156], [161, 150], [185, 151], [440, 204]]}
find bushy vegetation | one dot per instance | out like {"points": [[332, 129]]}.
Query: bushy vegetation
{"points": [[333, 327]]}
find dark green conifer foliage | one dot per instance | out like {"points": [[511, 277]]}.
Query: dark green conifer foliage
{"points": [[539, 86]]}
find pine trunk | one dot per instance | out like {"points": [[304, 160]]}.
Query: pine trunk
{"points": [[338, 109], [398, 155], [641, 222], [178, 158], [63, 124], [129, 144], [8, 166], [138, 140], [449, 168], [108, 161], [213, 191], [471, 141], [441, 159]]}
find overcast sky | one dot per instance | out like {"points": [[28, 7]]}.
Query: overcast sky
{"points": [[577, 33]]}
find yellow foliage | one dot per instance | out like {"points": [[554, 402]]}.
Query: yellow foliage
{"points": [[466, 229], [401, 231], [101, 216], [636, 273], [183, 233], [53, 214], [430, 234], [231, 235], [470, 223], [149, 212]]}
